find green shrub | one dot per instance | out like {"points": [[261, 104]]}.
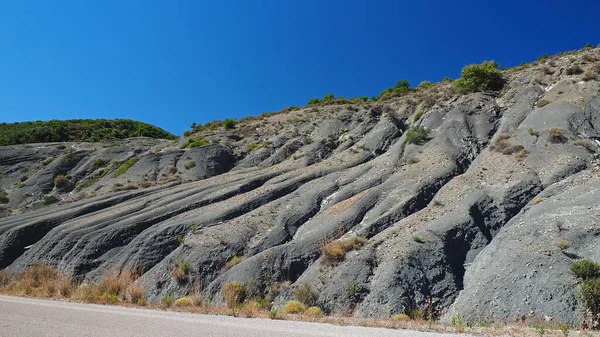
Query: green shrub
{"points": [[447, 80], [60, 181], [195, 142], [306, 295], [416, 238], [543, 57], [49, 199], [417, 135], [125, 166], [190, 165], [314, 102], [484, 76], [21, 185], [3, 197], [425, 85], [418, 116], [168, 300], [98, 163], [228, 123], [234, 293], [185, 266], [574, 70], [293, 307], [585, 269], [588, 46], [251, 147], [590, 294], [328, 98], [402, 85]]}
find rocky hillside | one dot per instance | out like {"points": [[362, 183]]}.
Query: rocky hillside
{"points": [[478, 202]]}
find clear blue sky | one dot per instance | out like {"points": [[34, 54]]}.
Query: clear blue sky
{"points": [[171, 63]]}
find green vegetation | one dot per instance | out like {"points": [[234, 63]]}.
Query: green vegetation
{"points": [[195, 142], [125, 166], [229, 123], [77, 130], [585, 269], [60, 181], [98, 163], [417, 135], [168, 300], [190, 165], [425, 85], [92, 181], [401, 88], [49, 199], [21, 185], [234, 293], [543, 57], [416, 238], [253, 147], [484, 76], [234, 261], [306, 295], [314, 102], [3, 197], [589, 272], [418, 116], [588, 46]]}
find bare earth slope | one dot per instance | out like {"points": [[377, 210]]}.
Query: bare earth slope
{"points": [[470, 217]]}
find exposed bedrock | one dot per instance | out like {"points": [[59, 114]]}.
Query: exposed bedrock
{"points": [[468, 215]]}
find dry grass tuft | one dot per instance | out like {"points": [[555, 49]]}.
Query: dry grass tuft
{"points": [[556, 136], [294, 307], [335, 251], [542, 103], [314, 312]]}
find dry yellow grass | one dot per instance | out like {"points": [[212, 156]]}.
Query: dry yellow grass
{"points": [[43, 281], [336, 250]]}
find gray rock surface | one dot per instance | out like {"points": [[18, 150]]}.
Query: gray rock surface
{"points": [[469, 218]]}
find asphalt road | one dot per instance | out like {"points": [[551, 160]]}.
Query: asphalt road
{"points": [[25, 317]]}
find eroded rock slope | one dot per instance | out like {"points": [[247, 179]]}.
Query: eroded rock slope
{"points": [[470, 217]]}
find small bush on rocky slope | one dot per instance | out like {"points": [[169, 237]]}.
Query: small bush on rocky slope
{"points": [[417, 135], [60, 181], [3, 197], [585, 269], [314, 312], [589, 272], [574, 70], [98, 163], [234, 293], [306, 295], [484, 76], [334, 251], [293, 307]]}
